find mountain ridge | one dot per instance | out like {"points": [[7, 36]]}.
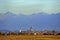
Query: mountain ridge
{"points": [[27, 15], [40, 21]]}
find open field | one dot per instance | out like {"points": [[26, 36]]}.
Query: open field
{"points": [[30, 37]]}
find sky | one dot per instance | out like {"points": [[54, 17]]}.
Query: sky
{"points": [[29, 6]]}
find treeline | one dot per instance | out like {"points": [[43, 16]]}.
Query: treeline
{"points": [[31, 33]]}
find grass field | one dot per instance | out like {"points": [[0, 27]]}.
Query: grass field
{"points": [[30, 37]]}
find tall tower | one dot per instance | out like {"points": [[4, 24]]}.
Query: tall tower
{"points": [[19, 27], [31, 29]]}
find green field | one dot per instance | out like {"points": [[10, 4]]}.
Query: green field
{"points": [[30, 37]]}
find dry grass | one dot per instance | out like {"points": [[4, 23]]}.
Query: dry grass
{"points": [[30, 37]]}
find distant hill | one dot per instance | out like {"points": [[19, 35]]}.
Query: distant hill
{"points": [[40, 21]]}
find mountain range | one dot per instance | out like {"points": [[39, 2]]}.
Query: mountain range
{"points": [[38, 21]]}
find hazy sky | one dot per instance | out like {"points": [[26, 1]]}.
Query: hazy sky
{"points": [[29, 6]]}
